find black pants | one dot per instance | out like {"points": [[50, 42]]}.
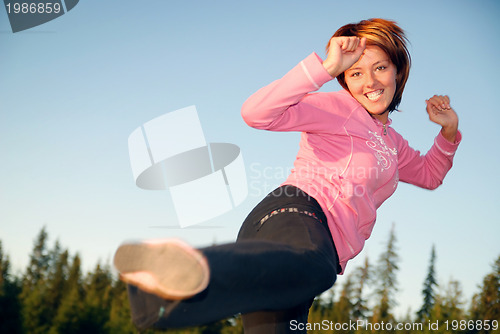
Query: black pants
{"points": [[283, 258]]}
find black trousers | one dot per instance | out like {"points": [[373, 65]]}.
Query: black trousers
{"points": [[284, 256]]}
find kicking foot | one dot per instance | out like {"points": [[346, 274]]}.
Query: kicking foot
{"points": [[168, 268]]}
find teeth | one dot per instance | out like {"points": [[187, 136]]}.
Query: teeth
{"points": [[374, 95]]}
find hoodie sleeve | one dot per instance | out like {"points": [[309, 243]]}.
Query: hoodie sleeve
{"points": [[288, 104], [426, 171]]}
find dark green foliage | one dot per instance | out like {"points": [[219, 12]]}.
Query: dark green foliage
{"points": [[486, 304], [34, 297], [10, 308], [428, 292], [362, 278], [386, 283], [53, 296], [343, 307]]}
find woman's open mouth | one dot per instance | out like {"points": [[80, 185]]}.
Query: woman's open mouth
{"points": [[375, 95]]}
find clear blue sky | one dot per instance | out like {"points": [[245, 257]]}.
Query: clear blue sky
{"points": [[73, 89]]}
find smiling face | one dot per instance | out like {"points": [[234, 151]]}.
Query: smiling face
{"points": [[372, 81]]}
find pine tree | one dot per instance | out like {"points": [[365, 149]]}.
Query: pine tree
{"points": [[10, 308], [487, 302], [454, 301], [322, 307], [69, 312], [75, 275], [387, 282], [449, 303], [97, 302], [362, 277], [38, 267], [56, 282], [342, 311], [428, 291], [35, 312], [119, 317]]}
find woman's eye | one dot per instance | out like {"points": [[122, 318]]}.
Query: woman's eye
{"points": [[356, 74], [380, 68]]}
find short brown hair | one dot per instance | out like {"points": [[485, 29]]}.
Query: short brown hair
{"points": [[388, 36]]}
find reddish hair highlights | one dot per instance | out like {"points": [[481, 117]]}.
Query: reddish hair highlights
{"points": [[388, 36]]}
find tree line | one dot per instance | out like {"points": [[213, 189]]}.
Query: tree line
{"points": [[54, 296]]}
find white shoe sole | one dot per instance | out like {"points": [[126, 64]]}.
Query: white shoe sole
{"points": [[168, 268]]}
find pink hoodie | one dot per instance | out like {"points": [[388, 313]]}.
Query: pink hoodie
{"points": [[347, 160]]}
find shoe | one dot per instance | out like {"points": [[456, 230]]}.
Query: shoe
{"points": [[168, 268]]}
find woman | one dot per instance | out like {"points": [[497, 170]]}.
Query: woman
{"points": [[294, 243]]}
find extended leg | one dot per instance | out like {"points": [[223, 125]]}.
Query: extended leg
{"points": [[278, 265]]}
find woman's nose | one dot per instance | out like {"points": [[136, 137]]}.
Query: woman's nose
{"points": [[370, 79]]}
